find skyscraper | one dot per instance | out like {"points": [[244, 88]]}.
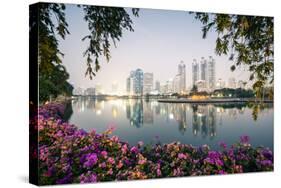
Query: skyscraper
{"points": [[211, 74], [176, 84], [130, 83], [203, 69], [182, 74], [138, 82], [147, 83], [195, 72]]}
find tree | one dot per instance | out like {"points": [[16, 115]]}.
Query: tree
{"points": [[247, 40], [105, 24], [194, 89], [52, 74]]}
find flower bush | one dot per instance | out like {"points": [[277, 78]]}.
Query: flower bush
{"points": [[71, 155]]}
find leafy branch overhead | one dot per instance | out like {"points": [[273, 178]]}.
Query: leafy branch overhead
{"points": [[106, 25], [248, 40]]}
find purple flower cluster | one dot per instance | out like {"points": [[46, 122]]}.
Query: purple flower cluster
{"points": [[71, 155], [90, 160]]}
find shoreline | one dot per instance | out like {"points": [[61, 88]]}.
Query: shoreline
{"points": [[234, 100]]}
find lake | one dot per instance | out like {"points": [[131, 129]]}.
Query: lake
{"points": [[151, 121]]}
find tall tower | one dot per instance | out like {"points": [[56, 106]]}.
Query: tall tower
{"points": [[182, 74], [195, 72], [211, 74], [130, 83], [138, 82], [203, 67], [147, 82]]}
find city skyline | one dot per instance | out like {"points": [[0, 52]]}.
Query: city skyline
{"points": [[140, 82], [156, 49]]}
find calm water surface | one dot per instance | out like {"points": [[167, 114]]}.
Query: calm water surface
{"points": [[150, 121]]}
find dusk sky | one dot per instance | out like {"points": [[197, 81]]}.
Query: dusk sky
{"points": [[161, 39]]}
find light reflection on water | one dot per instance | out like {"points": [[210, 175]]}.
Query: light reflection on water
{"points": [[150, 121]]}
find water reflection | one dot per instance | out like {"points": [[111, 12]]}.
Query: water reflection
{"points": [[199, 121], [204, 120], [135, 113]]}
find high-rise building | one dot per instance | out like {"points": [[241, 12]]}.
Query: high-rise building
{"points": [[232, 83], [168, 87], [203, 69], [177, 84], [195, 72], [147, 83], [138, 82], [134, 83], [211, 74], [157, 86], [130, 83], [182, 75]]}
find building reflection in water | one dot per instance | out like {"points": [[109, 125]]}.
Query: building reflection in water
{"points": [[90, 103], [134, 111], [203, 118]]}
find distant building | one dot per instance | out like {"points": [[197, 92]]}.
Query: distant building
{"points": [[203, 69], [211, 81], [168, 87], [201, 85], [138, 82], [78, 91], [195, 72], [147, 83], [130, 83], [177, 84], [90, 91], [220, 84], [232, 83], [163, 89], [99, 90], [182, 75], [157, 86], [134, 83]]}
